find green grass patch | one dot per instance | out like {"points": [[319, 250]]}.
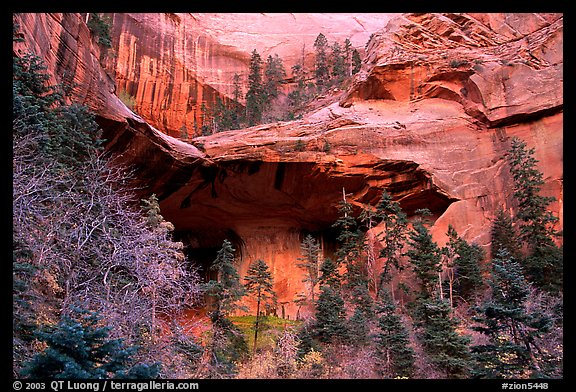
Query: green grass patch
{"points": [[271, 327]]}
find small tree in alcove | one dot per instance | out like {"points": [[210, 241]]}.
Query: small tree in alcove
{"points": [[310, 262], [227, 290], [228, 344], [259, 283]]}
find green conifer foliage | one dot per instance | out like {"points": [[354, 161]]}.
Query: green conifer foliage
{"points": [[79, 347], [330, 316], [394, 236], [356, 61], [544, 262], [447, 348], [255, 95], [322, 70], [395, 356], [100, 26], [503, 235], [425, 257], [338, 71], [329, 274], [465, 260], [274, 75], [259, 284], [512, 351], [350, 240], [227, 290], [310, 262]]}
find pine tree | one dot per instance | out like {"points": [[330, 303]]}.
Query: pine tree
{"points": [[447, 348], [298, 95], [78, 347], [329, 274], [425, 257], [259, 283], [464, 265], [330, 316], [348, 57], [356, 62], [227, 290], [310, 262], [255, 95], [349, 238], [503, 235], [322, 70], [512, 331], [100, 27], [206, 120], [338, 71], [237, 113], [228, 345], [222, 116], [544, 262], [393, 237], [274, 75], [395, 357]]}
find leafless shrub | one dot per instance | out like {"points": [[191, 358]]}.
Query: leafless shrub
{"points": [[95, 247]]}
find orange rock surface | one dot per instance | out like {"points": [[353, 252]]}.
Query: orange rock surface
{"points": [[172, 64], [428, 118]]}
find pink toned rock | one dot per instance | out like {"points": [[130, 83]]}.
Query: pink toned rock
{"points": [[429, 118]]}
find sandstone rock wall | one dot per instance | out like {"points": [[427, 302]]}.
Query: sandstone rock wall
{"points": [[429, 118], [173, 64]]}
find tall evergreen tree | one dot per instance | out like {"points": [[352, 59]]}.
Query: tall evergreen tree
{"points": [[338, 61], [274, 75], [259, 284], [350, 239], [465, 261], [394, 236], [206, 120], [223, 116], [237, 113], [512, 330], [228, 345], [356, 61], [425, 257], [329, 274], [255, 95], [330, 322], [330, 316], [395, 357], [298, 95], [447, 348], [310, 262], [100, 27], [503, 235], [348, 57], [227, 290], [79, 347], [544, 262], [322, 69]]}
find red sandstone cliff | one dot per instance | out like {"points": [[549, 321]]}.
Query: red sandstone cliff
{"points": [[174, 63], [428, 118]]}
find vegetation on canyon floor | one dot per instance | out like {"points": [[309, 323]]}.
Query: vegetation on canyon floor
{"points": [[98, 278]]}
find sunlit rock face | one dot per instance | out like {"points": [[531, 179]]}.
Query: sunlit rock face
{"points": [[174, 64], [428, 118]]}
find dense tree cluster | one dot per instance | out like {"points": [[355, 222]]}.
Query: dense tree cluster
{"points": [[97, 276], [82, 239], [468, 318], [266, 99]]}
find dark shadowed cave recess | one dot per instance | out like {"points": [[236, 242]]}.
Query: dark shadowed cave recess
{"points": [[213, 203]]}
